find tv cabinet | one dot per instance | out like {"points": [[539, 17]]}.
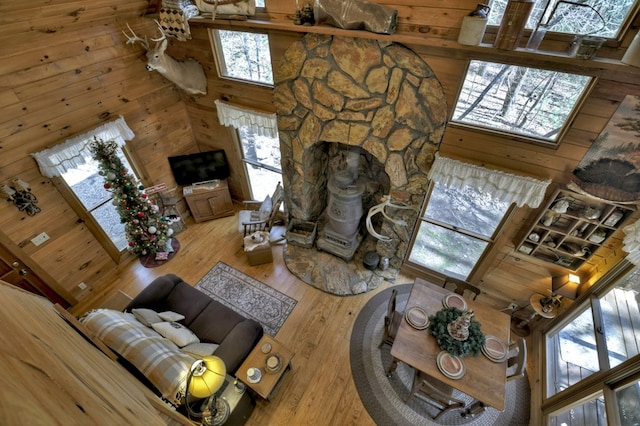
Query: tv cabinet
{"points": [[208, 200]]}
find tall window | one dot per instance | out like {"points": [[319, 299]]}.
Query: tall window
{"points": [[73, 170], [259, 143], [457, 227], [242, 56], [87, 186], [598, 345], [261, 157], [464, 212], [603, 18], [529, 102]]}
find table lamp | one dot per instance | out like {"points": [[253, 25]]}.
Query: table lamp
{"points": [[562, 286], [205, 378]]}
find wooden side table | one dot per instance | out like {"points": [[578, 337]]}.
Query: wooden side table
{"points": [[266, 347]]}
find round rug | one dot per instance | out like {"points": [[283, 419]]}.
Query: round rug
{"points": [[150, 261], [384, 398]]}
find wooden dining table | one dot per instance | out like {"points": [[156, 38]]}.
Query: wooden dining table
{"points": [[484, 380]]}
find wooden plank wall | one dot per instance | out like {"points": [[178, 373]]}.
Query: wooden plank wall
{"points": [[65, 69]]}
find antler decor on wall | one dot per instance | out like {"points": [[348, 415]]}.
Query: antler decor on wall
{"points": [[187, 75], [20, 194]]}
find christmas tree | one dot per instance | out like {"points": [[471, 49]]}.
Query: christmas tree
{"points": [[147, 231]]}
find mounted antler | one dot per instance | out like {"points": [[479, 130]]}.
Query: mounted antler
{"points": [[135, 38]]}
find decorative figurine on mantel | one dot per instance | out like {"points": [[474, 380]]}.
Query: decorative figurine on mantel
{"points": [[307, 17]]}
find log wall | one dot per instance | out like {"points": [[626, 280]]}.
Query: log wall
{"points": [[65, 69]]}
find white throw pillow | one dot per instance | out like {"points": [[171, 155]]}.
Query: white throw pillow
{"points": [[177, 333], [146, 316], [171, 316], [199, 350]]}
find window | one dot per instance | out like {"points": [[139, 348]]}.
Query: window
{"points": [[242, 56], [71, 167], [87, 186], [261, 157], [598, 343], [456, 229], [533, 103], [603, 18]]}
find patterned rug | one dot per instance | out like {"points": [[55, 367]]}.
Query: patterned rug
{"points": [[384, 398], [247, 296]]}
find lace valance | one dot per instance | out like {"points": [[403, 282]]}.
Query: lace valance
{"points": [[75, 152], [506, 187], [631, 242], [262, 123]]}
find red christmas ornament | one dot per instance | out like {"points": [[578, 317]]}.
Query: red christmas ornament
{"points": [[131, 243], [140, 214], [107, 186]]}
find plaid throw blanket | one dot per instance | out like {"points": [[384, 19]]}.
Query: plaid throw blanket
{"points": [[159, 359]]}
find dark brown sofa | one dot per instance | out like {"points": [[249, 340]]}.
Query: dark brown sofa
{"points": [[210, 320]]}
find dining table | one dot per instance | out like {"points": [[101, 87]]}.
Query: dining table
{"points": [[484, 380]]}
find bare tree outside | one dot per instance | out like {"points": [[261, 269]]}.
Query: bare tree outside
{"points": [[603, 18], [530, 102], [244, 56]]}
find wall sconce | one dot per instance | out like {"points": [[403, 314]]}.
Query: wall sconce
{"points": [[20, 194], [562, 286]]}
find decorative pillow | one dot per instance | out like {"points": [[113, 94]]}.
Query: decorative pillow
{"points": [[265, 207], [199, 350], [177, 333], [146, 316], [171, 316]]}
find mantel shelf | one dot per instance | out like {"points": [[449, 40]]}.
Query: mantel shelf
{"points": [[611, 69]]}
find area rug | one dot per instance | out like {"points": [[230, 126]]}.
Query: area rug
{"points": [[384, 398], [247, 296]]}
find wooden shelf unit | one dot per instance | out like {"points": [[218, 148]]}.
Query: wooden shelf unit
{"points": [[208, 201], [568, 238]]}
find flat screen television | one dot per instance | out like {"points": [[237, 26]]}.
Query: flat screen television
{"points": [[200, 167]]}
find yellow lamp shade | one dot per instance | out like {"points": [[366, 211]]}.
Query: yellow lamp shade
{"points": [[207, 376]]}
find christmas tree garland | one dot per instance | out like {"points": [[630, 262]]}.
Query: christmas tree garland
{"points": [[438, 326], [147, 231]]}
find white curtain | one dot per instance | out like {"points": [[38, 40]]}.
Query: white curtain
{"points": [[75, 152], [261, 123], [506, 187], [631, 242]]}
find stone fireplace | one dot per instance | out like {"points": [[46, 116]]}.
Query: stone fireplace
{"points": [[335, 96]]}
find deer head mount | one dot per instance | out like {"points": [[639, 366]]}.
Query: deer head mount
{"points": [[187, 75]]}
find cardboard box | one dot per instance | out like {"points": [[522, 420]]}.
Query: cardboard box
{"points": [[258, 256]]}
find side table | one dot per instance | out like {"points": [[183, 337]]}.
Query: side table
{"points": [[522, 327], [266, 347]]}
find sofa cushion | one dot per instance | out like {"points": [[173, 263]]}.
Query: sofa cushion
{"points": [[177, 333], [214, 323]]}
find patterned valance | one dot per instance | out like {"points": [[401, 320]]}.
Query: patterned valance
{"points": [[262, 123], [505, 187], [75, 152]]}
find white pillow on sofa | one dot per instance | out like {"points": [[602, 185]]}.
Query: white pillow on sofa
{"points": [[171, 316], [177, 333], [199, 350]]}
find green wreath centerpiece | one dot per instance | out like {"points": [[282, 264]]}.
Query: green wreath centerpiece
{"points": [[438, 327]]}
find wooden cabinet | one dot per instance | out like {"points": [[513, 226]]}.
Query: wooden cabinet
{"points": [[208, 201], [572, 227]]}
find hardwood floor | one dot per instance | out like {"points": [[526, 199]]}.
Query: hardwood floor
{"points": [[319, 390]]}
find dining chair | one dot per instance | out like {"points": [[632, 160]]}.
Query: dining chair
{"points": [[461, 287], [438, 394], [519, 360], [392, 321]]}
